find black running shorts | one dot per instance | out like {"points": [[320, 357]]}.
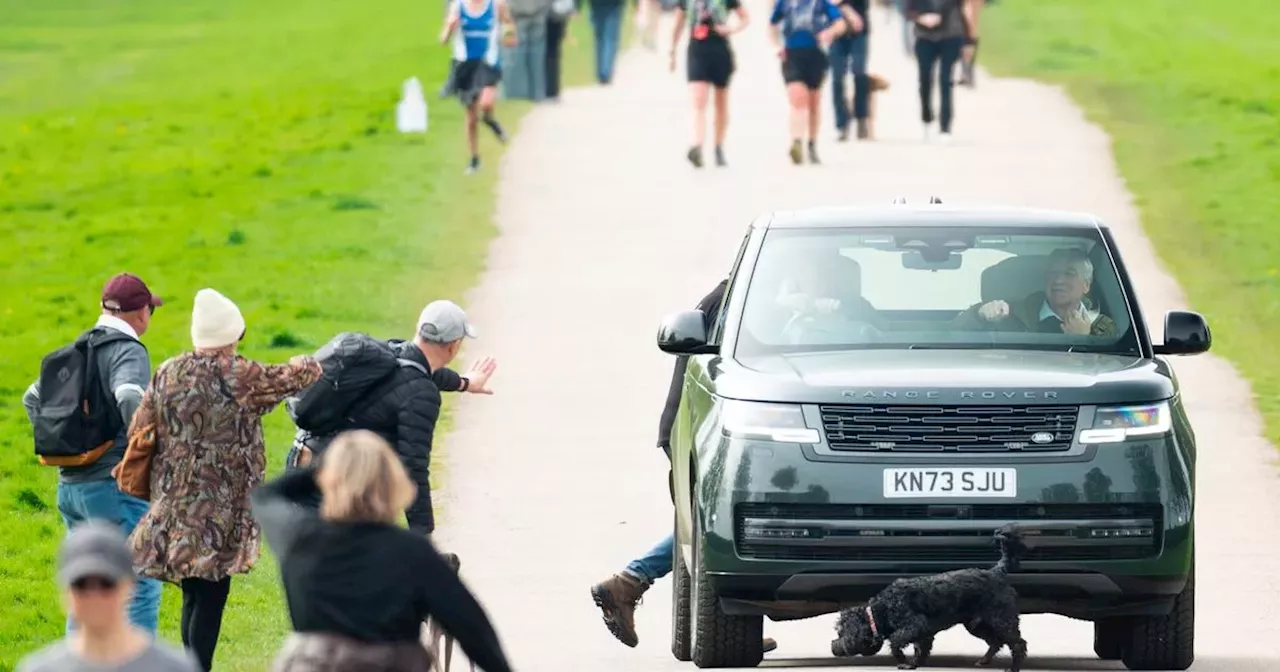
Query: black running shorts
{"points": [[472, 77], [710, 61], [806, 65]]}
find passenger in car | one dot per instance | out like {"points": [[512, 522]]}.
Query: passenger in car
{"points": [[1063, 307], [826, 285]]}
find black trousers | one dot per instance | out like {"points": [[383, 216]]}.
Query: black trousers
{"points": [[202, 605], [937, 56], [555, 40]]}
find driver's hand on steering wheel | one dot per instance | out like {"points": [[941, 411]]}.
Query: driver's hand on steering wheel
{"points": [[993, 311]]}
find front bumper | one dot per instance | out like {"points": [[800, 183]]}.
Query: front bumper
{"points": [[791, 532]]}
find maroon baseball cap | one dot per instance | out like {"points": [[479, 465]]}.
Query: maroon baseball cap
{"points": [[126, 292]]}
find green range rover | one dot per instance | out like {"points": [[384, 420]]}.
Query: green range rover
{"points": [[884, 387]]}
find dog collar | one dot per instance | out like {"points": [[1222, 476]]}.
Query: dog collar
{"points": [[872, 620]]}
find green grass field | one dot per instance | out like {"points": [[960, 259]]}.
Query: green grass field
{"points": [[241, 145], [1187, 91]]}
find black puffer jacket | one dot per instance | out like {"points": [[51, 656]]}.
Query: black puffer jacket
{"points": [[403, 411]]}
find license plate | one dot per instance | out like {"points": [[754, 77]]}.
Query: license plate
{"points": [[950, 482]]}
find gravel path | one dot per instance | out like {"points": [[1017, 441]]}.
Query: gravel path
{"points": [[554, 482]]}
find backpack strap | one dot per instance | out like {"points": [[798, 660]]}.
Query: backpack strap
{"points": [[410, 364]]}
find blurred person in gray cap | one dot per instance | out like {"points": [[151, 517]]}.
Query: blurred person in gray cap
{"points": [[95, 571], [403, 409]]}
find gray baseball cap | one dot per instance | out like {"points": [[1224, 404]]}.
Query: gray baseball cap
{"points": [[94, 549], [444, 322]]}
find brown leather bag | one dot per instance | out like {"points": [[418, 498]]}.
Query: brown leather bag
{"points": [[133, 474]]}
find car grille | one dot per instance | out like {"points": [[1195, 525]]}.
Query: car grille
{"points": [[961, 553], [944, 429]]}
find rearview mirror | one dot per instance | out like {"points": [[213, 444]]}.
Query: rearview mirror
{"points": [[915, 260], [684, 333], [1185, 333]]}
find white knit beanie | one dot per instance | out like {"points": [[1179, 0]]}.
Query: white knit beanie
{"points": [[215, 321]]}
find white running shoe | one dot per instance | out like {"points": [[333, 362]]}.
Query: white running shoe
{"points": [[944, 138]]}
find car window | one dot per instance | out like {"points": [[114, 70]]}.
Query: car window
{"points": [[717, 325], [972, 287]]}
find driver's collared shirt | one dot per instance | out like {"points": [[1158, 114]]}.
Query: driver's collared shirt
{"points": [[1048, 316]]}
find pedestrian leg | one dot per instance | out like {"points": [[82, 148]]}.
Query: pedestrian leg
{"points": [[698, 93], [814, 105], [721, 123], [840, 55], [203, 622], [926, 58], [949, 54], [798, 120], [613, 35]]}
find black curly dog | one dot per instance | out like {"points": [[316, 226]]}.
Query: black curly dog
{"points": [[912, 611]]}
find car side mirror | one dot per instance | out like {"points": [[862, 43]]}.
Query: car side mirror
{"points": [[1185, 333], [685, 333]]}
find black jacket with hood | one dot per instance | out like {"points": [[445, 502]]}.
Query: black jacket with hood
{"points": [[403, 410]]}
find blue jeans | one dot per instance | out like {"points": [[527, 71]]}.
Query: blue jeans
{"points": [[524, 67], [80, 502], [655, 564], [848, 55], [606, 23]]}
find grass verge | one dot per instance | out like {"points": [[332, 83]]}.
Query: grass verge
{"points": [[1187, 92], [241, 145]]}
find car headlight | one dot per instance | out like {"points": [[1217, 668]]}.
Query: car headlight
{"points": [[757, 421], [1114, 424]]}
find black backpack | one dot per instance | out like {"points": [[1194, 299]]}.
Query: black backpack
{"points": [[77, 418], [353, 364]]}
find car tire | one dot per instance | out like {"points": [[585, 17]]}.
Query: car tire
{"points": [[719, 640], [1165, 642], [1109, 637], [680, 610]]}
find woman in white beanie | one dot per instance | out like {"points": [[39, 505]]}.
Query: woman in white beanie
{"points": [[205, 408]]}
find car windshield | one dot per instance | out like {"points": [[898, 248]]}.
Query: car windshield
{"points": [[946, 288]]}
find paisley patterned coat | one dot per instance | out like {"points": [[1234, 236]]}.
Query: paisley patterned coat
{"points": [[207, 407]]}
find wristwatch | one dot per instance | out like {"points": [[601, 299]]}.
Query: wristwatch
{"points": [[466, 384]]}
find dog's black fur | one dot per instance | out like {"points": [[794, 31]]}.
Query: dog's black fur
{"points": [[912, 611]]}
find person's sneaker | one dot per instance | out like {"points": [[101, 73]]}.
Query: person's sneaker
{"points": [[474, 166], [720, 160], [496, 128], [770, 644], [797, 152], [617, 598], [813, 153], [864, 129], [844, 134], [944, 138], [928, 135], [695, 156]]}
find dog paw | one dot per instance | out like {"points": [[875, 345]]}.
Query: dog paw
{"points": [[982, 662]]}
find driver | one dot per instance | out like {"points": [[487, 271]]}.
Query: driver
{"points": [[1062, 308]]}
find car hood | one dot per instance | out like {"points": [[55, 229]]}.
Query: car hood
{"points": [[945, 377]]}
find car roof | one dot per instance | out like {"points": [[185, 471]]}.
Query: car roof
{"points": [[935, 214]]}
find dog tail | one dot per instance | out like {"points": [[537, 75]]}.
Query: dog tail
{"points": [[1012, 548]]}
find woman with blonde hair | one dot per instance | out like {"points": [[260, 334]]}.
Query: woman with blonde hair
{"points": [[359, 586], [202, 415]]}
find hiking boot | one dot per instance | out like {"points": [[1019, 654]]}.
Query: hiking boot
{"points": [[617, 598], [813, 153], [797, 152], [864, 129], [720, 161], [695, 156]]}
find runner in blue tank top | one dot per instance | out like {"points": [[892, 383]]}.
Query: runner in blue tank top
{"points": [[802, 29], [476, 28]]}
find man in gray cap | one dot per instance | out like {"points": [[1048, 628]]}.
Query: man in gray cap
{"points": [[95, 569], [404, 408]]}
